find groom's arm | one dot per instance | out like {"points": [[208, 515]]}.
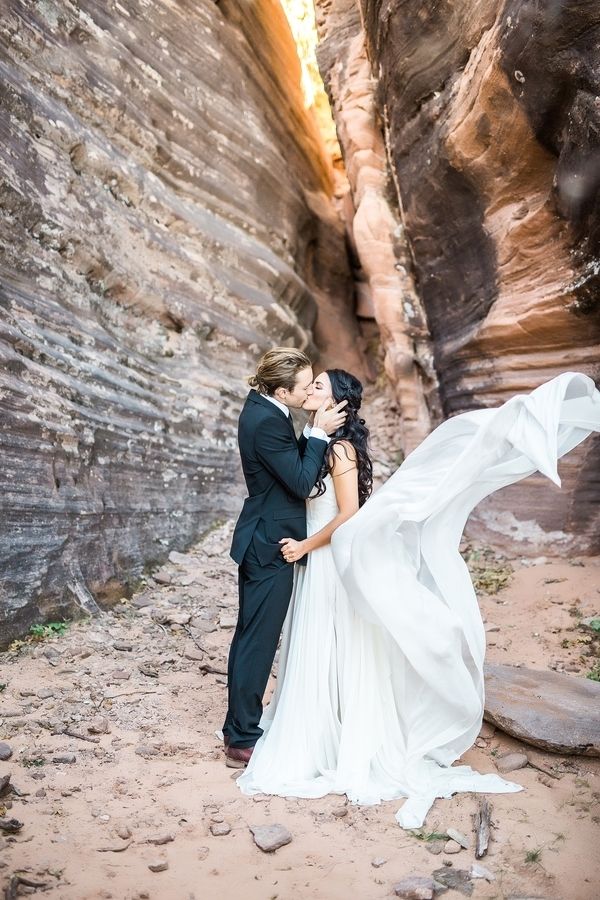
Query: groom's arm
{"points": [[309, 431], [278, 452]]}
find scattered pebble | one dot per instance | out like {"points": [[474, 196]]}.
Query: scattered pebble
{"points": [[66, 758], [145, 750], [459, 837], [339, 812], [452, 847], [270, 837], [378, 862], [511, 762], [220, 828], [99, 725], [415, 887], [160, 865], [5, 751], [479, 871]]}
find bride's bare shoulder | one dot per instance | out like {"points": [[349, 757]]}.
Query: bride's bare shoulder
{"points": [[343, 457]]}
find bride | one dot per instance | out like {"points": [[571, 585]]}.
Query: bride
{"points": [[380, 686]]}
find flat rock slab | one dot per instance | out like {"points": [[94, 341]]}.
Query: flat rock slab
{"points": [[270, 837], [549, 710], [415, 887]]}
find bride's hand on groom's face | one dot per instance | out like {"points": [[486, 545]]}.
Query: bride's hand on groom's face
{"points": [[329, 417], [292, 550]]}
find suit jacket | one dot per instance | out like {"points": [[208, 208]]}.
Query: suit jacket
{"points": [[280, 473]]}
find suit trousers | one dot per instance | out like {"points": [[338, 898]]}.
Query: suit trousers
{"points": [[264, 597]]}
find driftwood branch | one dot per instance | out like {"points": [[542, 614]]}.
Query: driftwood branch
{"points": [[481, 825]]}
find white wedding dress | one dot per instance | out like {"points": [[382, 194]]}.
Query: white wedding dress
{"points": [[380, 686]]}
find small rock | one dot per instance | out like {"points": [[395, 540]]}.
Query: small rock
{"points": [[452, 847], [479, 871], [161, 839], [459, 837], [142, 601], [435, 847], [119, 675], [5, 751], [481, 743], [378, 862], [415, 887], [160, 865], [122, 645], [10, 713], [145, 750], [99, 725], [149, 669], [45, 693], [228, 621], [10, 826], [123, 831], [511, 762], [340, 812], [455, 879], [180, 559], [487, 730], [163, 576], [195, 654], [203, 852], [220, 828], [270, 837], [40, 792], [66, 758]]}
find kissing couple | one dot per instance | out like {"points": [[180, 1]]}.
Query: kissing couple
{"points": [[380, 685]]}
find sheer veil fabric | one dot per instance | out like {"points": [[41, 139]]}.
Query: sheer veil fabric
{"points": [[380, 685]]}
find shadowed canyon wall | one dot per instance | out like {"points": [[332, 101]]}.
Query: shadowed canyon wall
{"points": [[488, 117], [164, 218]]}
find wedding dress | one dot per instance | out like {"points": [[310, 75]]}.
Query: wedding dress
{"points": [[380, 686]]}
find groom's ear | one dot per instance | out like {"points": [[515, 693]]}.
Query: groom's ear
{"points": [[280, 394]]}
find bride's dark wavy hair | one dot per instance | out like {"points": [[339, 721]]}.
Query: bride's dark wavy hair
{"points": [[345, 386]]}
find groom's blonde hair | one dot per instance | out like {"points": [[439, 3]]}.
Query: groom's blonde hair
{"points": [[279, 368]]}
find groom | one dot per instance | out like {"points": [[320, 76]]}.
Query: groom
{"points": [[280, 473]]}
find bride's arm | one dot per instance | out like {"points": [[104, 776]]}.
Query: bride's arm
{"points": [[344, 471]]}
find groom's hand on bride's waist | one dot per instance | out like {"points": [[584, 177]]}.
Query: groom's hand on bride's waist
{"points": [[329, 420]]}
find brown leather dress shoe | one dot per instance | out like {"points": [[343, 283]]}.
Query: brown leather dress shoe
{"points": [[238, 757]]}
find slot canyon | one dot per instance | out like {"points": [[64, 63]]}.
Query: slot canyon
{"points": [[179, 193]]}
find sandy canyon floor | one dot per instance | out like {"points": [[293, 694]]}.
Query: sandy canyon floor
{"points": [[143, 806]]}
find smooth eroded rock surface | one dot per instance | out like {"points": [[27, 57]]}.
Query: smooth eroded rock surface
{"points": [[489, 118], [549, 710], [165, 217]]}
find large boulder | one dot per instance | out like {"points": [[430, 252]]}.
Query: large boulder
{"points": [[549, 710]]}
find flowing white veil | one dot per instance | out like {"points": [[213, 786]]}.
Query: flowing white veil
{"points": [[399, 561]]}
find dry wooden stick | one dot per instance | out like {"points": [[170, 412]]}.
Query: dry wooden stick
{"points": [[481, 824], [77, 734]]}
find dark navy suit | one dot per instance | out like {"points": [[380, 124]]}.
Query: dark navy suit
{"points": [[280, 473]]}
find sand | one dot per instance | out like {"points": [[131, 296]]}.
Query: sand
{"points": [[157, 773]]}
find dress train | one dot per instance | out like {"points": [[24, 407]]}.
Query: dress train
{"points": [[380, 685]]}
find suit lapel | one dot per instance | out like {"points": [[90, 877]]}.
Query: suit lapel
{"points": [[255, 397]]}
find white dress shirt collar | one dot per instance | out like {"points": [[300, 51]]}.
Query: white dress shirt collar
{"points": [[277, 403]]}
